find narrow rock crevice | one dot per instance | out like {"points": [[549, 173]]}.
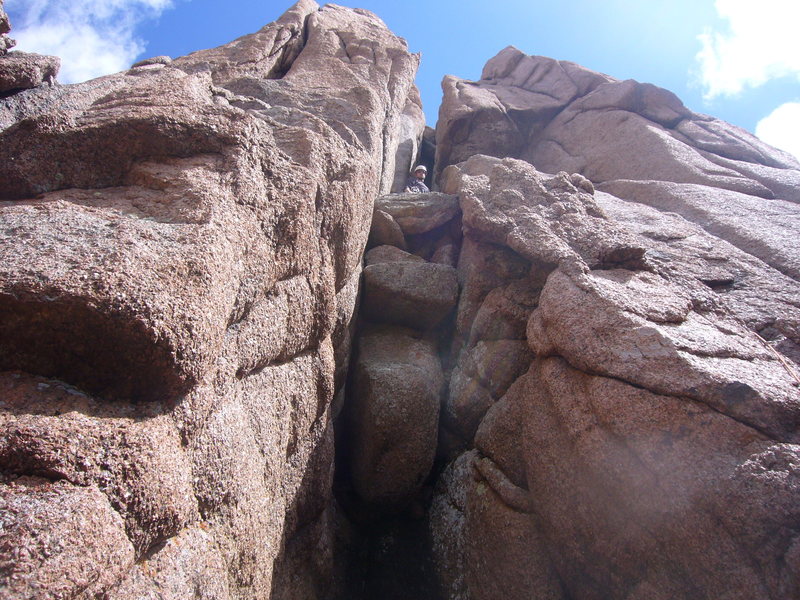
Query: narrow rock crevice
{"points": [[387, 459]]}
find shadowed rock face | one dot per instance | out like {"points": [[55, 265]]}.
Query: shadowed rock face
{"points": [[181, 246], [397, 381]]}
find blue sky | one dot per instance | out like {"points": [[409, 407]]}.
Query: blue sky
{"points": [[738, 60]]}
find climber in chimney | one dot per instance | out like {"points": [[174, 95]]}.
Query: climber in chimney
{"points": [[416, 182]]}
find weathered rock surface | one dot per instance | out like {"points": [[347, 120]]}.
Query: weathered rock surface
{"points": [[22, 70], [59, 540], [484, 373], [153, 60], [633, 140], [649, 389], [397, 385], [660, 485], [393, 406], [641, 304], [384, 231], [140, 467], [181, 247], [768, 233], [447, 525], [507, 542]]}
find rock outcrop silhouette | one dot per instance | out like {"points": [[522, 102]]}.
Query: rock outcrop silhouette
{"points": [[571, 372]]}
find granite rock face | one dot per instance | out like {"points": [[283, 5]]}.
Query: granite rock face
{"points": [[626, 348], [181, 247], [633, 140], [618, 454]]}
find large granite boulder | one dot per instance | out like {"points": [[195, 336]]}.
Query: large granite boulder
{"points": [[180, 253], [384, 231], [412, 294], [394, 415], [419, 213], [388, 254], [649, 447]]}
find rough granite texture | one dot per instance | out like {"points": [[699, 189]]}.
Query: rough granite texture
{"points": [[411, 294], [22, 70], [179, 260]]}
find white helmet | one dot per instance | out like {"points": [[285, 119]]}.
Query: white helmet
{"points": [[420, 168]]}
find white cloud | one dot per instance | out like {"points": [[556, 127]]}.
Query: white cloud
{"points": [[761, 43], [781, 128], [92, 37]]}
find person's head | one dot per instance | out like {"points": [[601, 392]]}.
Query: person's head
{"points": [[420, 171]]}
